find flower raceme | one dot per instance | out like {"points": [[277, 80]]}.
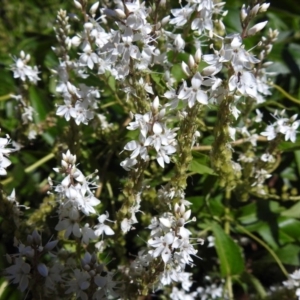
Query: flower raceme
{"points": [[132, 53], [153, 134]]}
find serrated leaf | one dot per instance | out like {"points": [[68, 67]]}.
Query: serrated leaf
{"points": [[228, 251]]}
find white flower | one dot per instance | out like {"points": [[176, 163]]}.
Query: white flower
{"points": [[244, 82], [4, 163], [259, 116], [79, 284], [22, 71], [270, 132], [19, 273], [193, 93], [70, 226], [66, 110], [162, 245], [181, 15], [87, 234], [103, 228]]}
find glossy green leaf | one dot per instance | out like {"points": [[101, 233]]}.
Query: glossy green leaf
{"points": [[293, 212], [229, 253], [289, 255]]}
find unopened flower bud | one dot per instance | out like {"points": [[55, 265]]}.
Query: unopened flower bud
{"points": [[264, 7], [180, 222], [254, 10], [77, 4], [179, 43], [221, 25], [165, 20], [76, 40], [50, 245], [120, 13], [191, 62], [94, 8], [88, 26], [36, 237], [27, 58], [267, 64], [256, 28], [162, 3], [198, 55], [182, 209], [185, 68], [243, 13], [155, 104], [43, 270]]}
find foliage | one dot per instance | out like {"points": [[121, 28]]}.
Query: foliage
{"points": [[183, 148]]}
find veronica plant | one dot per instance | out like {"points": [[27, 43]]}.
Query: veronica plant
{"points": [[169, 93]]}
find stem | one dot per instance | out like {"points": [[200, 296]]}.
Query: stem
{"points": [[235, 143], [286, 94], [31, 168], [227, 231], [5, 97], [276, 258], [229, 287]]}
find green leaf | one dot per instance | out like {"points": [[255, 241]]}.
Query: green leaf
{"points": [[297, 156], [290, 227], [293, 212], [38, 104], [288, 254], [247, 214], [229, 253], [201, 164]]}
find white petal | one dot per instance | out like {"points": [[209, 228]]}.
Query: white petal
{"points": [[108, 230], [201, 97], [196, 81], [166, 254], [166, 222], [130, 146]]}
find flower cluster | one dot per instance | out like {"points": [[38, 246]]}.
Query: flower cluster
{"points": [[170, 242], [293, 282], [27, 266], [75, 196], [4, 153], [23, 71], [132, 53], [153, 134], [285, 126], [211, 291]]}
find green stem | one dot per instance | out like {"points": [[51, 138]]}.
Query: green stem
{"points": [[5, 97], [31, 168], [227, 231], [286, 94], [276, 258], [109, 104]]}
